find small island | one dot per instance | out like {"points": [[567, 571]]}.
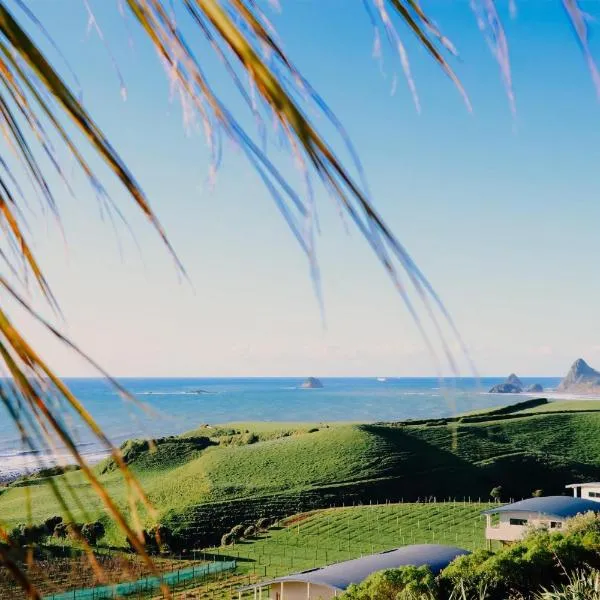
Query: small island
{"points": [[512, 385], [311, 383]]}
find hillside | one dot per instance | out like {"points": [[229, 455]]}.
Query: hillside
{"points": [[204, 481]]}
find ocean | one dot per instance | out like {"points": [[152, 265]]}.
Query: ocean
{"points": [[173, 406]]}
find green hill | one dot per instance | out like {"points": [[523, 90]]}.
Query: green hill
{"points": [[205, 481]]}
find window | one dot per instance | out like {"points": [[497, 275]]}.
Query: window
{"points": [[555, 524], [518, 521], [594, 494]]}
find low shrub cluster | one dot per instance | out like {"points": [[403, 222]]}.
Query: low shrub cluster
{"points": [[29, 535], [159, 539], [544, 565], [246, 531]]}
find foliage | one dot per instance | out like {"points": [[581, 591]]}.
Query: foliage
{"points": [[405, 583], [237, 531], [227, 539], [92, 532], [541, 559], [263, 524], [496, 493], [581, 585], [250, 531], [537, 493]]}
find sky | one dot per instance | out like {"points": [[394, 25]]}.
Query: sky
{"points": [[500, 211]]}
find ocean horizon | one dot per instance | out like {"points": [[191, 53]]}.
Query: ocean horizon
{"points": [[170, 406]]}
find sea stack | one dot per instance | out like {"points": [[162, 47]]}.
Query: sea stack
{"points": [[581, 379], [512, 385], [535, 388], [312, 383]]}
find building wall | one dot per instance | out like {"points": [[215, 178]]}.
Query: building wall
{"points": [[298, 590], [510, 527], [591, 493]]}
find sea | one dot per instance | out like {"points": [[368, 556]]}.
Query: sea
{"points": [[171, 406]]}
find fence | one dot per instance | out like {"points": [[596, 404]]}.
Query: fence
{"points": [[147, 584]]}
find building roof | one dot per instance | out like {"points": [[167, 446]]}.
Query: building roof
{"points": [[340, 575], [584, 485], [556, 506]]}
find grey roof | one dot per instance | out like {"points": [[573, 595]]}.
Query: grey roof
{"points": [[558, 506], [340, 575], [582, 485]]}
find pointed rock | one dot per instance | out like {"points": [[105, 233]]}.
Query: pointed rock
{"points": [[581, 378]]}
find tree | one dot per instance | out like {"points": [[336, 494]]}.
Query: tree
{"points": [[496, 493], [39, 107]]}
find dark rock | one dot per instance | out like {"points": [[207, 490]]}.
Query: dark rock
{"points": [[506, 388], [311, 383], [581, 378], [536, 387], [514, 380], [511, 385]]}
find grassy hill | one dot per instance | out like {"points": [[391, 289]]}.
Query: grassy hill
{"points": [[211, 478]]}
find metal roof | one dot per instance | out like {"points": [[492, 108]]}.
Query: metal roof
{"points": [[558, 506], [582, 485], [340, 575]]}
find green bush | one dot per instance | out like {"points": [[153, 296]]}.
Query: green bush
{"points": [[405, 583], [237, 532], [263, 524], [541, 559], [250, 531], [51, 523], [227, 539], [92, 532]]}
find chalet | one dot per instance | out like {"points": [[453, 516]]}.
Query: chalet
{"points": [[328, 582], [510, 522]]}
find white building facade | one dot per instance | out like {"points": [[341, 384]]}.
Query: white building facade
{"points": [[588, 491]]}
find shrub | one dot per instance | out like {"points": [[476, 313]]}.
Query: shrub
{"points": [[250, 531], [92, 532], [581, 585], [60, 530], [250, 438], [541, 559], [237, 532], [263, 524], [227, 539], [23, 535], [537, 493], [405, 583], [496, 493], [51, 523]]}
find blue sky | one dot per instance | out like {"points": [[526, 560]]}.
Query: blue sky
{"points": [[501, 213]]}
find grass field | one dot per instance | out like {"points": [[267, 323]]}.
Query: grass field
{"points": [[566, 406], [334, 535], [244, 471]]}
